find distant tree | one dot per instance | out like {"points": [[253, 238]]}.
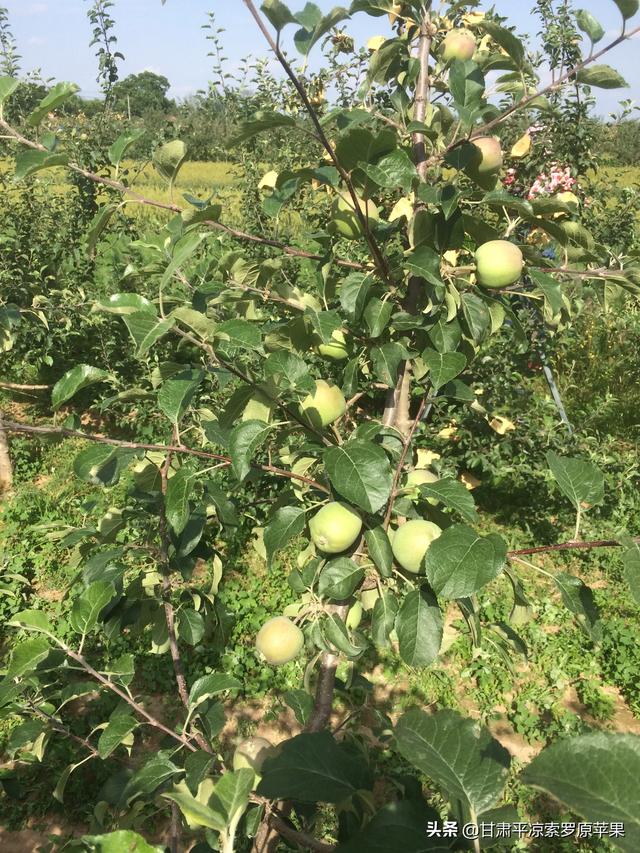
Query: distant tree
{"points": [[142, 93]]}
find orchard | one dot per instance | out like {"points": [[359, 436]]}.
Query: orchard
{"points": [[302, 378]]}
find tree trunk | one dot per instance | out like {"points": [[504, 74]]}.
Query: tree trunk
{"points": [[6, 469]]}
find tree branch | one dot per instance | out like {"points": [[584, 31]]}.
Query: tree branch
{"points": [[405, 451], [568, 546], [160, 448], [12, 386]]}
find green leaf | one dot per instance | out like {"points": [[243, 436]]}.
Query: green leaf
{"points": [[551, 289], [122, 144], [383, 620], [27, 656], [313, 29], [443, 367], [336, 634], [240, 334], [198, 767], [288, 370], [339, 579], [419, 628], [230, 796], [507, 40], [196, 321], [425, 262], [244, 441], [263, 121], [453, 494], [628, 8], [126, 303], [361, 473], [456, 753], [168, 159], [595, 775], [578, 598], [56, 96], [377, 314], [146, 330], [122, 840], [580, 481], [278, 14], [477, 316], [313, 768], [190, 626], [287, 523], [590, 25], [182, 252], [601, 76], [179, 490], [353, 294], [195, 812], [325, 323], [301, 703], [398, 825], [460, 562], [158, 770], [177, 393], [116, 731], [211, 685], [379, 548], [29, 162], [87, 607], [394, 170], [466, 82], [386, 362], [8, 85], [631, 561], [101, 465], [74, 380], [36, 620]]}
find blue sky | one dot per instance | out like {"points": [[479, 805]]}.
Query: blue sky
{"points": [[168, 39]]}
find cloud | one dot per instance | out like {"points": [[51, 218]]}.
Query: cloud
{"points": [[37, 9], [36, 41]]}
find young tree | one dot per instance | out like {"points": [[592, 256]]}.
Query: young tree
{"points": [[421, 252]]}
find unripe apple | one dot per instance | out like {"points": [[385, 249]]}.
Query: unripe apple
{"points": [[369, 597], [568, 198], [458, 44], [324, 406], [279, 641], [344, 220], [335, 527], [252, 753], [354, 616], [498, 264], [337, 349], [411, 542], [420, 476], [488, 157]]}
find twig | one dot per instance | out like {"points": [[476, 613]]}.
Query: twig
{"points": [[307, 842], [405, 450], [568, 546], [160, 448], [13, 386]]}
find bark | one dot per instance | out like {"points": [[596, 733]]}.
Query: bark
{"points": [[6, 468]]}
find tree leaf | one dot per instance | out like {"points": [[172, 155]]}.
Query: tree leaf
{"points": [[122, 144], [425, 263], [628, 8], [313, 29], [398, 825], [168, 159], [506, 39], [263, 121], [377, 314], [460, 562], [195, 812], [239, 334], [596, 775], [190, 626], [177, 393], [230, 796], [443, 367], [36, 620], [158, 770], [26, 656], [578, 598], [116, 731], [380, 551], [126, 303], [477, 316], [383, 620], [179, 490], [590, 25], [74, 380], [287, 523], [339, 579], [146, 330], [386, 362], [453, 494], [456, 753], [87, 607], [580, 481], [57, 95], [211, 685], [278, 14], [631, 560], [117, 842], [301, 703], [29, 162], [244, 441], [601, 76], [353, 294], [8, 85], [313, 768], [360, 471], [466, 82], [395, 169], [288, 370], [419, 628]]}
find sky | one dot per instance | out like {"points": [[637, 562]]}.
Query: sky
{"points": [[54, 37]]}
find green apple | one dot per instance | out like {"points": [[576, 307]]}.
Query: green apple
{"points": [[486, 162], [368, 597], [252, 753], [344, 220], [458, 44], [411, 542], [324, 406], [417, 478], [336, 349], [279, 641], [354, 616], [499, 263], [335, 527]]}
